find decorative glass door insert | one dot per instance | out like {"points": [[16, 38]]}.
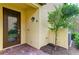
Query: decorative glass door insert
{"points": [[11, 29]]}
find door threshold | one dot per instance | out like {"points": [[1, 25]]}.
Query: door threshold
{"points": [[12, 46]]}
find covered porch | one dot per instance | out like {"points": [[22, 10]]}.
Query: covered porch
{"points": [[34, 29], [28, 27]]}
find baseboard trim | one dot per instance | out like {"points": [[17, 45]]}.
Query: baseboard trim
{"points": [[12, 46]]}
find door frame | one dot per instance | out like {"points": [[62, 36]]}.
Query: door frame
{"points": [[4, 29]]}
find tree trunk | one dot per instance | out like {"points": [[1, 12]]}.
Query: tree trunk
{"points": [[55, 38]]}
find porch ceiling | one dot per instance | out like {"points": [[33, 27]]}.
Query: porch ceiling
{"points": [[34, 5], [24, 5], [30, 5]]}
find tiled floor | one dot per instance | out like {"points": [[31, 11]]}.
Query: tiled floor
{"points": [[50, 50], [60, 50], [24, 49]]}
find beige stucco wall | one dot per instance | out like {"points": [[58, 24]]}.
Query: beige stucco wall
{"points": [[62, 37], [38, 34], [32, 30], [45, 35]]}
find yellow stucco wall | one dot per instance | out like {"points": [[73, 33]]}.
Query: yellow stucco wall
{"points": [[1, 29], [34, 33], [26, 11], [45, 35]]}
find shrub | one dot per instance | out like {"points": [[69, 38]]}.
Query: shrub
{"points": [[73, 35], [76, 39]]}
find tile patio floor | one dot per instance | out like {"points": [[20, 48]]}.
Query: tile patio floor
{"points": [[60, 51], [26, 49], [50, 50]]}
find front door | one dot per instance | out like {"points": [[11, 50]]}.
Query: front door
{"points": [[11, 27]]}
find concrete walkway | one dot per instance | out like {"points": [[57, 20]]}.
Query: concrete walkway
{"points": [[73, 50]]}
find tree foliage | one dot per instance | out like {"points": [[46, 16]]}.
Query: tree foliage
{"points": [[63, 17]]}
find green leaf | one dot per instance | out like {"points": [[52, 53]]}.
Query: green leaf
{"points": [[63, 16]]}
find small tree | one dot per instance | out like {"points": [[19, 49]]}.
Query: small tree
{"points": [[62, 17]]}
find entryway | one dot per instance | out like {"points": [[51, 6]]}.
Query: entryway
{"points": [[11, 27], [24, 49]]}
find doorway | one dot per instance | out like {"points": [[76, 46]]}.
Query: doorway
{"points": [[11, 27]]}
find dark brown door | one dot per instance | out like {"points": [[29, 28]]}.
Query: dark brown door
{"points": [[11, 27]]}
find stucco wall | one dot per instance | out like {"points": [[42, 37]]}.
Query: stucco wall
{"points": [[24, 15], [1, 29], [62, 37], [32, 30], [34, 33], [45, 35]]}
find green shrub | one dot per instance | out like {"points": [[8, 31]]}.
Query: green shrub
{"points": [[76, 39], [73, 36]]}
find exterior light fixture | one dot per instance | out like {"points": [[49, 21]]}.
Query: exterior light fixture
{"points": [[32, 19]]}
